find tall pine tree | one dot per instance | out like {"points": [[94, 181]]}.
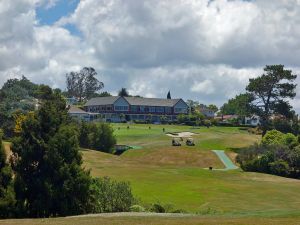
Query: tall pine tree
{"points": [[169, 95], [49, 179]]}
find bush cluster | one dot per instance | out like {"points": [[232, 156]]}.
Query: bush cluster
{"points": [[97, 136], [277, 154], [111, 196]]}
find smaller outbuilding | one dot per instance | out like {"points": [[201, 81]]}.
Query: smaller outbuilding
{"points": [[79, 114]]}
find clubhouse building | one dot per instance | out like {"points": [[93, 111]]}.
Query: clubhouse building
{"points": [[118, 109]]}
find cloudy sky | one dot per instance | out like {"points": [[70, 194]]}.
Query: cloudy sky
{"points": [[199, 49]]}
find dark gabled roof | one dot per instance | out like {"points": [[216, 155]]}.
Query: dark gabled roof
{"points": [[133, 101], [151, 101], [75, 110], [102, 101]]}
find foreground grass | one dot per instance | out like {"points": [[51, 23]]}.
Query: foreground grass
{"points": [[156, 220]]}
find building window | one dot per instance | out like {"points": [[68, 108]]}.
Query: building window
{"points": [[168, 109], [180, 110], [160, 109], [142, 108], [151, 109], [121, 108], [134, 108]]}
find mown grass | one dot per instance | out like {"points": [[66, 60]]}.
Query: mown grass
{"points": [[198, 190], [174, 175], [206, 138]]}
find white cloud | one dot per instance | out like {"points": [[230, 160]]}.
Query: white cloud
{"points": [[204, 87], [205, 50]]}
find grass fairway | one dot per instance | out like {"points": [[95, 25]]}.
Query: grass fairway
{"points": [[161, 173], [174, 175]]}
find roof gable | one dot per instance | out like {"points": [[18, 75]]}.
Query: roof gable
{"points": [[102, 101]]}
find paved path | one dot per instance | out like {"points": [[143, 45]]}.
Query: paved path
{"points": [[229, 165]]}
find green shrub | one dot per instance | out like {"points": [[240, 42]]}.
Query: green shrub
{"points": [[280, 168], [158, 208], [179, 211], [273, 137], [290, 140], [137, 208], [111, 196], [97, 136], [207, 211]]}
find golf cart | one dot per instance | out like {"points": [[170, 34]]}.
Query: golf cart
{"points": [[175, 142], [190, 142]]}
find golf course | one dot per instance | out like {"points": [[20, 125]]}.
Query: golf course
{"points": [[178, 178]]}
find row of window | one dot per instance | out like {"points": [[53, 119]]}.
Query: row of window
{"points": [[151, 109], [180, 110], [153, 118], [142, 109], [121, 108]]}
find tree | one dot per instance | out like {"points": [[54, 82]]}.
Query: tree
{"points": [[123, 92], [239, 105], [16, 96], [49, 179], [83, 84], [271, 90], [213, 108], [103, 94], [97, 136], [111, 196], [169, 95], [192, 105], [7, 200]]}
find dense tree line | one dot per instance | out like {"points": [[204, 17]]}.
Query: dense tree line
{"points": [[16, 96], [278, 154], [267, 96], [49, 179]]}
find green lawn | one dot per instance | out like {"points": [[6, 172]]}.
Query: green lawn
{"points": [[174, 175], [161, 173]]}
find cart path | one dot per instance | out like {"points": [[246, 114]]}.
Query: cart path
{"points": [[229, 165]]}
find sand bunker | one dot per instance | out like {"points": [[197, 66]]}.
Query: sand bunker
{"points": [[181, 134]]}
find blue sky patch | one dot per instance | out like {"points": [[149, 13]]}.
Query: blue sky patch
{"points": [[48, 16]]}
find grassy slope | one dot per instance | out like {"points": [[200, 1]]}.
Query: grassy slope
{"points": [[172, 175], [196, 190], [162, 173]]}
